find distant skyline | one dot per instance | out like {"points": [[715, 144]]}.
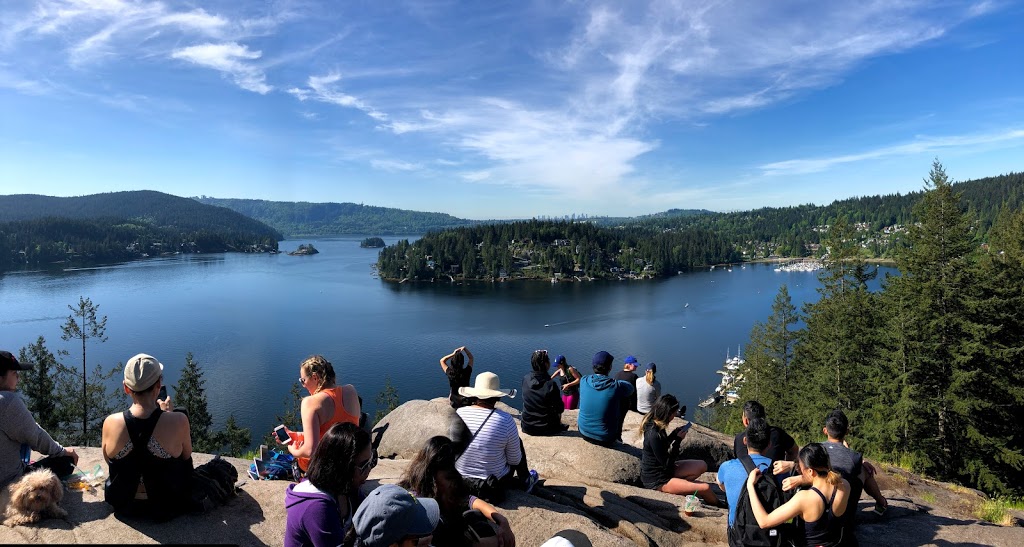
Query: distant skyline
{"points": [[508, 109]]}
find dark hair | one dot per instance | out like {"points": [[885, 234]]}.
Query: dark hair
{"points": [[438, 455], [814, 456], [663, 411], [836, 424], [758, 434], [752, 410], [457, 360], [333, 465], [540, 361]]}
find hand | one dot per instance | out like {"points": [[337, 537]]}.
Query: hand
{"points": [[754, 476], [71, 452], [166, 404], [869, 469], [781, 468], [505, 536], [460, 348], [791, 483], [565, 388]]}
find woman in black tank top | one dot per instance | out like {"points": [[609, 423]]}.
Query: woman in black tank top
{"points": [[458, 375], [821, 513]]}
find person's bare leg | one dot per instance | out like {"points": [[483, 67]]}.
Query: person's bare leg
{"points": [[683, 487]]}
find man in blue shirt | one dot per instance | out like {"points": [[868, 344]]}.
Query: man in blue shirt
{"points": [[732, 477], [601, 402]]}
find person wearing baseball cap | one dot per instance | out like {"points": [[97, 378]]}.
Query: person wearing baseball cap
{"points": [[20, 434], [392, 517], [602, 400], [148, 448]]}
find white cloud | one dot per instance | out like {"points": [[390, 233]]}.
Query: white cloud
{"points": [[231, 59], [918, 146], [322, 89], [394, 165]]}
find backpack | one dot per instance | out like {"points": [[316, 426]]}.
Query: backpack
{"points": [[213, 483], [744, 531]]}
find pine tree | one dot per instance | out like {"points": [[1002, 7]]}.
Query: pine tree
{"points": [[767, 373], [233, 439], [190, 396], [83, 324], [292, 405], [37, 384], [387, 400]]}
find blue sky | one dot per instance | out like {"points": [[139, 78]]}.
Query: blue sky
{"points": [[508, 109]]}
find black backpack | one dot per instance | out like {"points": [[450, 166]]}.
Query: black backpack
{"points": [[744, 531]]}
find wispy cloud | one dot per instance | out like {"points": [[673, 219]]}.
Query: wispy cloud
{"points": [[918, 146], [395, 165], [323, 89], [232, 59]]}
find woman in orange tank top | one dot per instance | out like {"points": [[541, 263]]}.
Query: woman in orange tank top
{"points": [[326, 405]]}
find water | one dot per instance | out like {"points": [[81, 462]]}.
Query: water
{"points": [[251, 319]]}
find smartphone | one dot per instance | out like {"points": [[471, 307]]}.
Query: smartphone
{"points": [[687, 426], [282, 434], [264, 452], [163, 394], [261, 469]]}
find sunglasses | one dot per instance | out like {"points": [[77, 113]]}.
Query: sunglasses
{"points": [[369, 464]]}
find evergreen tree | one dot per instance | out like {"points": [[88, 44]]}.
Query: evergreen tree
{"points": [[387, 400], [37, 384], [234, 440], [83, 324], [190, 396], [290, 417], [767, 372]]}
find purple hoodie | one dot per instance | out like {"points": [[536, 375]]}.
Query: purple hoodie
{"points": [[313, 518]]}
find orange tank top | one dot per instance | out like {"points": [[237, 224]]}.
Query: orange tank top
{"points": [[340, 416]]}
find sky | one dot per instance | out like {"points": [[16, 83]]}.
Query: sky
{"points": [[493, 109]]}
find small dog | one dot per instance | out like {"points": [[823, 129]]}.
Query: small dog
{"points": [[35, 496]]}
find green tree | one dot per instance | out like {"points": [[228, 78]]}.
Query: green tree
{"points": [[290, 416], [37, 385], [767, 372], [387, 400], [83, 324], [190, 396], [234, 440]]}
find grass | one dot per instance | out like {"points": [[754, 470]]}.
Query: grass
{"points": [[997, 511], [928, 497]]}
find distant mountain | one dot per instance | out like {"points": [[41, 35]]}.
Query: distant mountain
{"points": [[325, 219], [36, 230]]}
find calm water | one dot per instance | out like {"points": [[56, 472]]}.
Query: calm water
{"points": [[250, 319]]}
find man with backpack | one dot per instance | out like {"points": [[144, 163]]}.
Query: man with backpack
{"points": [[732, 477]]}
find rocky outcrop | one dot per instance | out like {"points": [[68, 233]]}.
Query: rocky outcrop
{"points": [[588, 494]]}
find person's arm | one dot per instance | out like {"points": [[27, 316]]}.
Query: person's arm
{"points": [[553, 400], [21, 427], [310, 428], [793, 453], [323, 525], [514, 446], [469, 356], [785, 513], [444, 360], [576, 381], [186, 441], [505, 536], [657, 447]]}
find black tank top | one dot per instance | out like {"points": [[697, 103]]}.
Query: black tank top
{"points": [[827, 531], [168, 481], [456, 379]]}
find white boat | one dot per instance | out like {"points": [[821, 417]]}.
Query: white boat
{"points": [[731, 380]]}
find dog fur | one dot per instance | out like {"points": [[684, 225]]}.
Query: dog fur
{"points": [[35, 496]]}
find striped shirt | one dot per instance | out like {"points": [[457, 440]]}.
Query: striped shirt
{"points": [[494, 448]]}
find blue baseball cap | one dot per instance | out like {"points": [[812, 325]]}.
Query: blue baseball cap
{"points": [[390, 513], [559, 360], [603, 359], [630, 360]]}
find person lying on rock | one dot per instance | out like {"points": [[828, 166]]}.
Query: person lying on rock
{"points": [[327, 404], [320, 509], [392, 517], [492, 457], [466, 520], [659, 469], [20, 434], [542, 399], [148, 448], [458, 369], [602, 400]]}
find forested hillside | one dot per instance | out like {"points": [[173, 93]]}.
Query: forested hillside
{"points": [[929, 368], [36, 230], [544, 249], [326, 219]]}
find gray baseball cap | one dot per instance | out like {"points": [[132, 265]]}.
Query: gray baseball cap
{"points": [[390, 513]]}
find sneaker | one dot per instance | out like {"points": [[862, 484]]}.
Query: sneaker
{"points": [[532, 481], [880, 508]]}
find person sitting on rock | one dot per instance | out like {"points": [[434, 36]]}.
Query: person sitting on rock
{"points": [[781, 447], [848, 463], [457, 374], [659, 469], [432, 473], [542, 402], [327, 404], [732, 476], [148, 448], [570, 380], [320, 509], [492, 458], [647, 390], [821, 507], [602, 400], [392, 517], [20, 434]]}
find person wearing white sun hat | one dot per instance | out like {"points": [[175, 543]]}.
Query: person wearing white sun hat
{"points": [[493, 459]]}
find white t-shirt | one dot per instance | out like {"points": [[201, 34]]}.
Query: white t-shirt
{"points": [[494, 449], [646, 394]]}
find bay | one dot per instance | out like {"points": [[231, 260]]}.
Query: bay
{"points": [[251, 319]]}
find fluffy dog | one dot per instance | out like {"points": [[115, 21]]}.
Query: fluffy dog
{"points": [[35, 496]]}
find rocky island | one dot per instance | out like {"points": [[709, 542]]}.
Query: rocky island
{"points": [[304, 249], [372, 243]]}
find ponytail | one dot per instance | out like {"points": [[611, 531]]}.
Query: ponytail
{"points": [[649, 376], [832, 477]]}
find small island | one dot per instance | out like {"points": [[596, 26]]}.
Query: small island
{"points": [[372, 243], [304, 250]]}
